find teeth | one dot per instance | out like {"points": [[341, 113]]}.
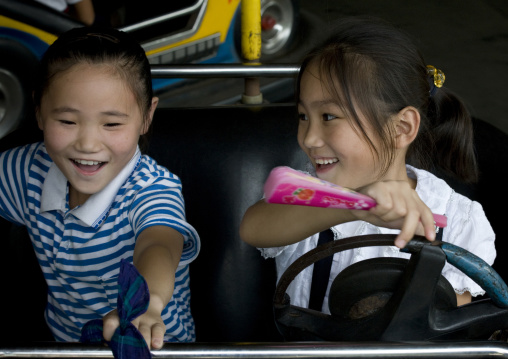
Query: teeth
{"points": [[88, 163], [322, 161]]}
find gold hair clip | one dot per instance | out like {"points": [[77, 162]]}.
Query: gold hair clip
{"points": [[439, 76]]}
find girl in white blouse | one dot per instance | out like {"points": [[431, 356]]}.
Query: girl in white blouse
{"points": [[368, 107]]}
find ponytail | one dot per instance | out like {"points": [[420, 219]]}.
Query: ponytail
{"points": [[447, 134], [454, 139]]}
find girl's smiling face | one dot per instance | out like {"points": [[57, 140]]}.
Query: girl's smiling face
{"points": [[91, 123], [337, 150]]}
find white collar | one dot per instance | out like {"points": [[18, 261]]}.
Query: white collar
{"points": [[95, 209]]}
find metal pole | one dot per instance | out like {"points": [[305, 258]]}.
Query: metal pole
{"points": [[224, 70], [251, 47], [429, 350]]}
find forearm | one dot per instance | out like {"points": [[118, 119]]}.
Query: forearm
{"points": [[156, 257], [273, 225], [463, 299]]}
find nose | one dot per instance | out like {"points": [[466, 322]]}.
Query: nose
{"points": [[88, 140], [311, 134]]}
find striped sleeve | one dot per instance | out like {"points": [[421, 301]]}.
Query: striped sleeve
{"points": [[161, 203], [15, 166]]}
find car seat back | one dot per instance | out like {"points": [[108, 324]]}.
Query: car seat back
{"points": [[223, 155]]}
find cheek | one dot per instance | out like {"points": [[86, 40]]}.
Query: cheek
{"points": [[123, 143], [56, 140], [299, 138], [300, 135]]}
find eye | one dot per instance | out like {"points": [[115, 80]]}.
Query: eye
{"points": [[112, 124], [328, 117], [302, 117], [66, 122]]}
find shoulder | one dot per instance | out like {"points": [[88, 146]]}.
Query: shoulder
{"points": [[151, 183], [26, 156], [468, 226], [30, 149], [442, 199], [427, 181], [149, 172], [434, 191], [437, 194]]}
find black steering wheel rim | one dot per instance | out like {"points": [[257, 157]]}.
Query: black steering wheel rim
{"points": [[418, 307], [490, 281]]}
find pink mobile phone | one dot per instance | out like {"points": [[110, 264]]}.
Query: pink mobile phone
{"points": [[288, 186]]}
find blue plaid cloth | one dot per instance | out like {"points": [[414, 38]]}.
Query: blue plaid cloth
{"points": [[133, 299]]}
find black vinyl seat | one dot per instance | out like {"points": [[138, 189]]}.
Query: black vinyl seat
{"points": [[223, 156]]}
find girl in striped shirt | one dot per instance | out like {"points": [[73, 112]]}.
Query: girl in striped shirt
{"points": [[89, 198]]}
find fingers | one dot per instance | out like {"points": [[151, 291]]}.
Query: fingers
{"points": [[399, 206], [152, 332], [410, 226], [146, 332], [418, 219], [152, 329], [158, 331], [109, 323]]}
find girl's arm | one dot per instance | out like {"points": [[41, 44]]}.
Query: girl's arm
{"points": [[156, 256], [274, 225], [399, 207], [463, 298]]}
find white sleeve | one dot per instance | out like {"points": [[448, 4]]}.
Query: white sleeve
{"points": [[468, 228]]}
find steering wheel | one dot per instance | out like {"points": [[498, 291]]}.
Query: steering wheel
{"points": [[395, 299]]}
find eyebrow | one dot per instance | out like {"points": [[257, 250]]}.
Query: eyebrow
{"points": [[66, 109], [115, 113], [321, 103]]}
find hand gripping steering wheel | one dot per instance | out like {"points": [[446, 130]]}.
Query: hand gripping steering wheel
{"points": [[395, 299]]}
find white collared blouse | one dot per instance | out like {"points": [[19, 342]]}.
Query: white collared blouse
{"points": [[467, 227]]}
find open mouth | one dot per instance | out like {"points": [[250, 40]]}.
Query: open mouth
{"points": [[325, 162], [87, 166]]}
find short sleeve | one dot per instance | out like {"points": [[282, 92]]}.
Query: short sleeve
{"points": [[13, 182], [271, 252], [470, 229], [161, 203]]}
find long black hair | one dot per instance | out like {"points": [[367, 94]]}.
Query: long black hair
{"points": [[370, 65]]}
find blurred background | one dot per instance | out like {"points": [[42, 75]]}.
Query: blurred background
{"points": [[467, 39]]}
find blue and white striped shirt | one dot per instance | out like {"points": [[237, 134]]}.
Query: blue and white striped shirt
{"points": [[79, 250]]}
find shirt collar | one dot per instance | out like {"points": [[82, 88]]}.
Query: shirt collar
{"points": [[54, 190], [95, 209]]}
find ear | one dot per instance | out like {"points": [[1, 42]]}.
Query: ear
{"points": [[39, 120], [37, 113], [148, 122], [407, 124]]}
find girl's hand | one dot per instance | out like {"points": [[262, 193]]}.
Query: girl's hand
{"points": [[398, 207], [110, 322], [149, 324], [156, 256], [152, 328]]}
